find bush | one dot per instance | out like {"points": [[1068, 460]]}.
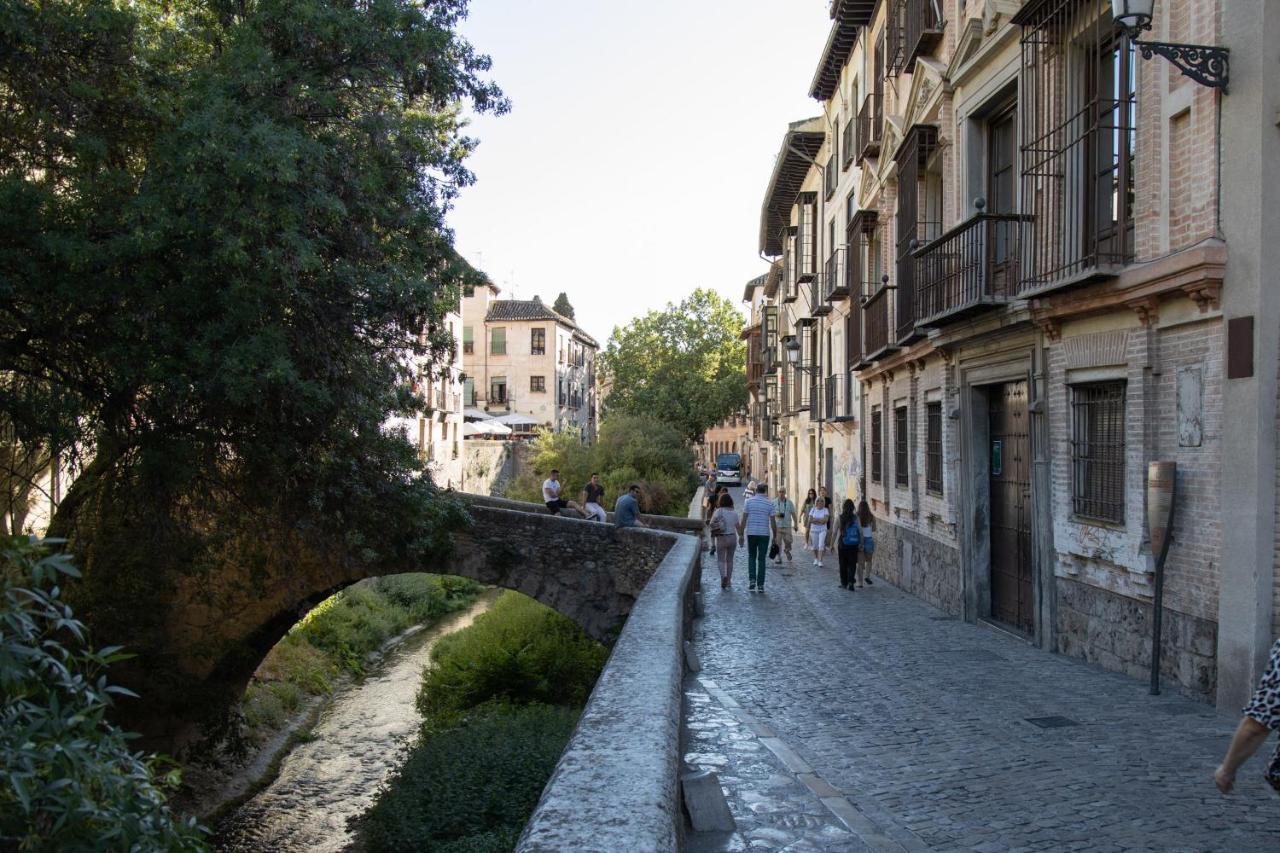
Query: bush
{"points": [[519, 652], [70, 782], [471, 786], [630, 449]]}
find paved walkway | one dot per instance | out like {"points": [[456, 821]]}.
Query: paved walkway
{"points": [[869, 721]]}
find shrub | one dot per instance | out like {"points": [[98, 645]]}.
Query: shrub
{"points": [[519, 652], [471, 786], [70, 780]]}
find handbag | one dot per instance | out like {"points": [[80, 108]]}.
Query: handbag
{"points": [[774, 550]]}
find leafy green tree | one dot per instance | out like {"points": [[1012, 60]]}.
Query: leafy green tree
{"points": [[562, 305], [684, 364], [222, 224]]}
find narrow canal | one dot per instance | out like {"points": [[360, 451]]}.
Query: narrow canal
{"points": [[361, 738]]}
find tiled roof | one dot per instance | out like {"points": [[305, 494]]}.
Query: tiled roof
{"points": [[514, 310]]}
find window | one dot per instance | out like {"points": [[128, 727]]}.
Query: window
{"points": [[877, 445], [1097, 450], [469, 290], [498, 389], [468, 340], [469, 392], [807, 239], [901, 454], [498, 342], [933, 448], [919, 215], [538, 341], [538, 384]]}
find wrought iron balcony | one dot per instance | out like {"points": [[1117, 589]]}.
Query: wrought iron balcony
{"points": [[818, 304], [833, 273], [879, 336], [971, 267], [923, 27], [870, 126], [838, 404]]}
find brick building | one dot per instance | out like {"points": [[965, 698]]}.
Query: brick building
{"points": [[1015, 256]]}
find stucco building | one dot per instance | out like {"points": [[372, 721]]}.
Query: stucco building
{"points": [[1017, 263], [520, 356]]}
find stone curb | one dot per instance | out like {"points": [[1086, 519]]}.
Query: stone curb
{"points": [[616, 785]]}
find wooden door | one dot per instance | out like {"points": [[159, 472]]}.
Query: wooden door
{"points": [[1011, 593]]}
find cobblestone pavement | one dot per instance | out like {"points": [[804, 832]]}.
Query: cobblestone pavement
{"points": [[867, 720]]}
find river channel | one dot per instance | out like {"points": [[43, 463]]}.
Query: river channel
{"points": [[360, 739]]}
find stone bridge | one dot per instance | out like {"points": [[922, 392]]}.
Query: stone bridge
{"points": [[216, 630]]}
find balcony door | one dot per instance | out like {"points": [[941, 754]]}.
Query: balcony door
{"points": [[1002, 147]]}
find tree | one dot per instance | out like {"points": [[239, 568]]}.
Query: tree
{"points": [[222, 223], [562, 305], [684, 364]]}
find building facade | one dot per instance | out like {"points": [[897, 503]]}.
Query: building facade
{"points": [[1025, 258], [520, 356]]}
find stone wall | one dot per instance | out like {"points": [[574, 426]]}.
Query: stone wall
{"points": [[921, 565], [489, 465], [1115, 631]]}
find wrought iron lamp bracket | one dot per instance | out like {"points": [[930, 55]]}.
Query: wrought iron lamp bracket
{"points": [[1206, 64]]}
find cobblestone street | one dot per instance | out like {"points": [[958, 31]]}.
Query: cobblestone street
{"points": [[864, 720]]}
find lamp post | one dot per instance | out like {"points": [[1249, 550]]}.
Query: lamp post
{"points": [[1206, 64]]}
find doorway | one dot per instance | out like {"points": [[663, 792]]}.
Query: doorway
{"points": [[1010, 491]]}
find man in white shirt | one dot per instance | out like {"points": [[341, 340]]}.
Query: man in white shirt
{"points": [[551, 496]]}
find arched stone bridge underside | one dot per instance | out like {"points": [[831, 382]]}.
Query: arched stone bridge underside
{"points": [[217, 630]]}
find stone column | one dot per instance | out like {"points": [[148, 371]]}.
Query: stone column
{"points": [[1250, 162]]}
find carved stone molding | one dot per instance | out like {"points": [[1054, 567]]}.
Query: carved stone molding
{"points": [[1207, 294], [1102, 349], [1147, 309]]}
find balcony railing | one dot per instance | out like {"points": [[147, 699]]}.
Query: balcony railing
{"points": [[837, 287], [870, 126], [818, 304], [878, 331], [975, 264], [923, 24], [847, 141]]}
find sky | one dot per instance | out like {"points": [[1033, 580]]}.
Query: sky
{"points": [[635, 158]]}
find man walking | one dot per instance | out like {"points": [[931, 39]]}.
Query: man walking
{"points": [[551, 496], [593, 499], [626, 512], [784, 512], [755, 526]]}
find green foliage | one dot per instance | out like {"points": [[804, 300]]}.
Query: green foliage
{"points": [[685, 364], [70, 781], [471, 787], [520, 652], [562, 305], [221, 226], [629, 449]]}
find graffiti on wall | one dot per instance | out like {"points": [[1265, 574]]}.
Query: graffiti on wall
{"points": [[848, 475]]}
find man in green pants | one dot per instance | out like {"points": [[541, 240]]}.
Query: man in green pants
{"points": [[756, 524]]}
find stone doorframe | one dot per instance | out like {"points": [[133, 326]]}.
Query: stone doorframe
{"points": [[1019, 360]]}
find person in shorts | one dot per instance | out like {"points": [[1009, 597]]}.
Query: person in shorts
{"points": [[551, 496], [593, 499], [784, 511]]}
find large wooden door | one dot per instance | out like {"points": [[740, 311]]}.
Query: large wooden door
{"points": [[1011, 599]]}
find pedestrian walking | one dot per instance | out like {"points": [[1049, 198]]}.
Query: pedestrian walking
{"points": [[848, 544], [593, 498], [819, 521], [626, 512], [867, 521], [712, 503], [724, 527], [784, 513], [551, 496], [809, 500], [756, 525], [1261, 716]]}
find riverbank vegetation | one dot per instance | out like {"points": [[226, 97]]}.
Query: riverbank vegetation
{"points": [[499, 705], [629, 449]]}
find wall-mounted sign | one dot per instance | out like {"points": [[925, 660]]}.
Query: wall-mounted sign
{"points": [[997, 458]]}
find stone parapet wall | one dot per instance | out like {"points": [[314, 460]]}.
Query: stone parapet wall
{"points": [[1114, 631]]}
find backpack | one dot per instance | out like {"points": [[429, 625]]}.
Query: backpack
{"points": [[852, 534]]}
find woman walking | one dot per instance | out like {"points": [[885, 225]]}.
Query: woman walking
{"points": [[724, 527], [713, 502], [809, 500], [819, 518], [847, 544], [867, 522]]}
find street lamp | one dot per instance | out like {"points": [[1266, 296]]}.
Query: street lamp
{"points": [[792, 348], [1206, 64]]}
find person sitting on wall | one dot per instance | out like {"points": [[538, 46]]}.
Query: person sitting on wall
{"points": [[551, 495], [593, 499], [626, 512]]}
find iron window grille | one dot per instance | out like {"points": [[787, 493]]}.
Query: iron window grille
{"points": [[877, 445], [895, 38], [919, 217], [538, 341], [1098, 450], [807, 241], [901, 448], [1079, 117], [830, 174], [933, 448], [538, 384], [847, 138]]}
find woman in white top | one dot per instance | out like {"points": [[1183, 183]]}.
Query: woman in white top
{"points": [[819, 518], [724, 526]]}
